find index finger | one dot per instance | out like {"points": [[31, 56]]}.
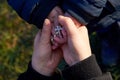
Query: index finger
{"points": [[68, 24]]}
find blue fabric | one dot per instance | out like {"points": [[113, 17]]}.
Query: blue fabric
{"points": [[110, 44], [84, 10], [23, 7], [102, 16], [42, 11], [33, 11]]}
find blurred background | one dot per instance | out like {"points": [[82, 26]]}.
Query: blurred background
{"points": [[16, 41], [16, 45]]}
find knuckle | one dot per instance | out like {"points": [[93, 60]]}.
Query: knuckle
{"points": [[85, 29], [68, 19]]}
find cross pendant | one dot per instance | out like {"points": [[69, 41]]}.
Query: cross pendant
{"points": [[58, 31]]}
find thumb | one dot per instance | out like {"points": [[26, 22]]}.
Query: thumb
{"points": [[46, 31], [68, 24]]}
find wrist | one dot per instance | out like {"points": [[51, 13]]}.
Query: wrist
{"points": [[32, 74], [79, 59], [87, 67], [42, 69]]}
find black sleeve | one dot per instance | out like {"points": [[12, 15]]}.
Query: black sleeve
{"points": [[31, 74], [87, 69]]}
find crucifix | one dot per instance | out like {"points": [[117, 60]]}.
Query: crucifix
{"points": [[58, 33], [58, 30]]}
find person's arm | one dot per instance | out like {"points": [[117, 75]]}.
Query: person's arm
{"points": [[34, 11], [84, 10], [77, 54], [44, 60], [31, 74], [87, 69]]}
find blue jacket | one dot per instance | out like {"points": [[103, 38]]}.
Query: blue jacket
{"points": [[103, 16], [98, 15], [84, 10], [35, 11]]}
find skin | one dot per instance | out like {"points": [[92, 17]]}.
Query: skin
{"points": [[76, 47], [63, 39], [53, 17], [45, 59]]}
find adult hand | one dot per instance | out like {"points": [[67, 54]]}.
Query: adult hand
{"points": [[44, 59], [77, 47]]}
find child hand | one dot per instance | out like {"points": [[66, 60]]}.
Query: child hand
{"points": [[53, 16], [59, 37], [58, 33]]}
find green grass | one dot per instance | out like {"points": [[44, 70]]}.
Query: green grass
{"points": [[16, 41], [16, 44]]}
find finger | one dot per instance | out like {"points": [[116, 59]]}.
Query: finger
{"points": [[58, 40], [53, 31], [77, 23], [37, 37], [55, 46], [59, 10], [68, 24], [46, 31], [64, 34]]}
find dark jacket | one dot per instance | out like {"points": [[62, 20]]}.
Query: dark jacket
{"points": [[84, 10], [35, 11], [102, 16], [87, 69]]}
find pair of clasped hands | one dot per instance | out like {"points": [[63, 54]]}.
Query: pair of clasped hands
{"points": [[73, 46]]}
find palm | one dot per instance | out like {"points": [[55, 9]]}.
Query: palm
{"points": [[56, 56], [67, 54]]}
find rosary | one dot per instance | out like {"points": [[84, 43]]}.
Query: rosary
{"points": [[58, 33]]}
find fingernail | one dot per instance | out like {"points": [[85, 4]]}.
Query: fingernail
{"points": [[46, 21], [60, 16]]}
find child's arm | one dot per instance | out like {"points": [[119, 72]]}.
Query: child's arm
{"points": [[84, 10], [34, 11]]}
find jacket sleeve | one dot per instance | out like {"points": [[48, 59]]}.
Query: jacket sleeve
{"points": [[33, 11], [84, 10], [87, 69], [31, 74]]}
